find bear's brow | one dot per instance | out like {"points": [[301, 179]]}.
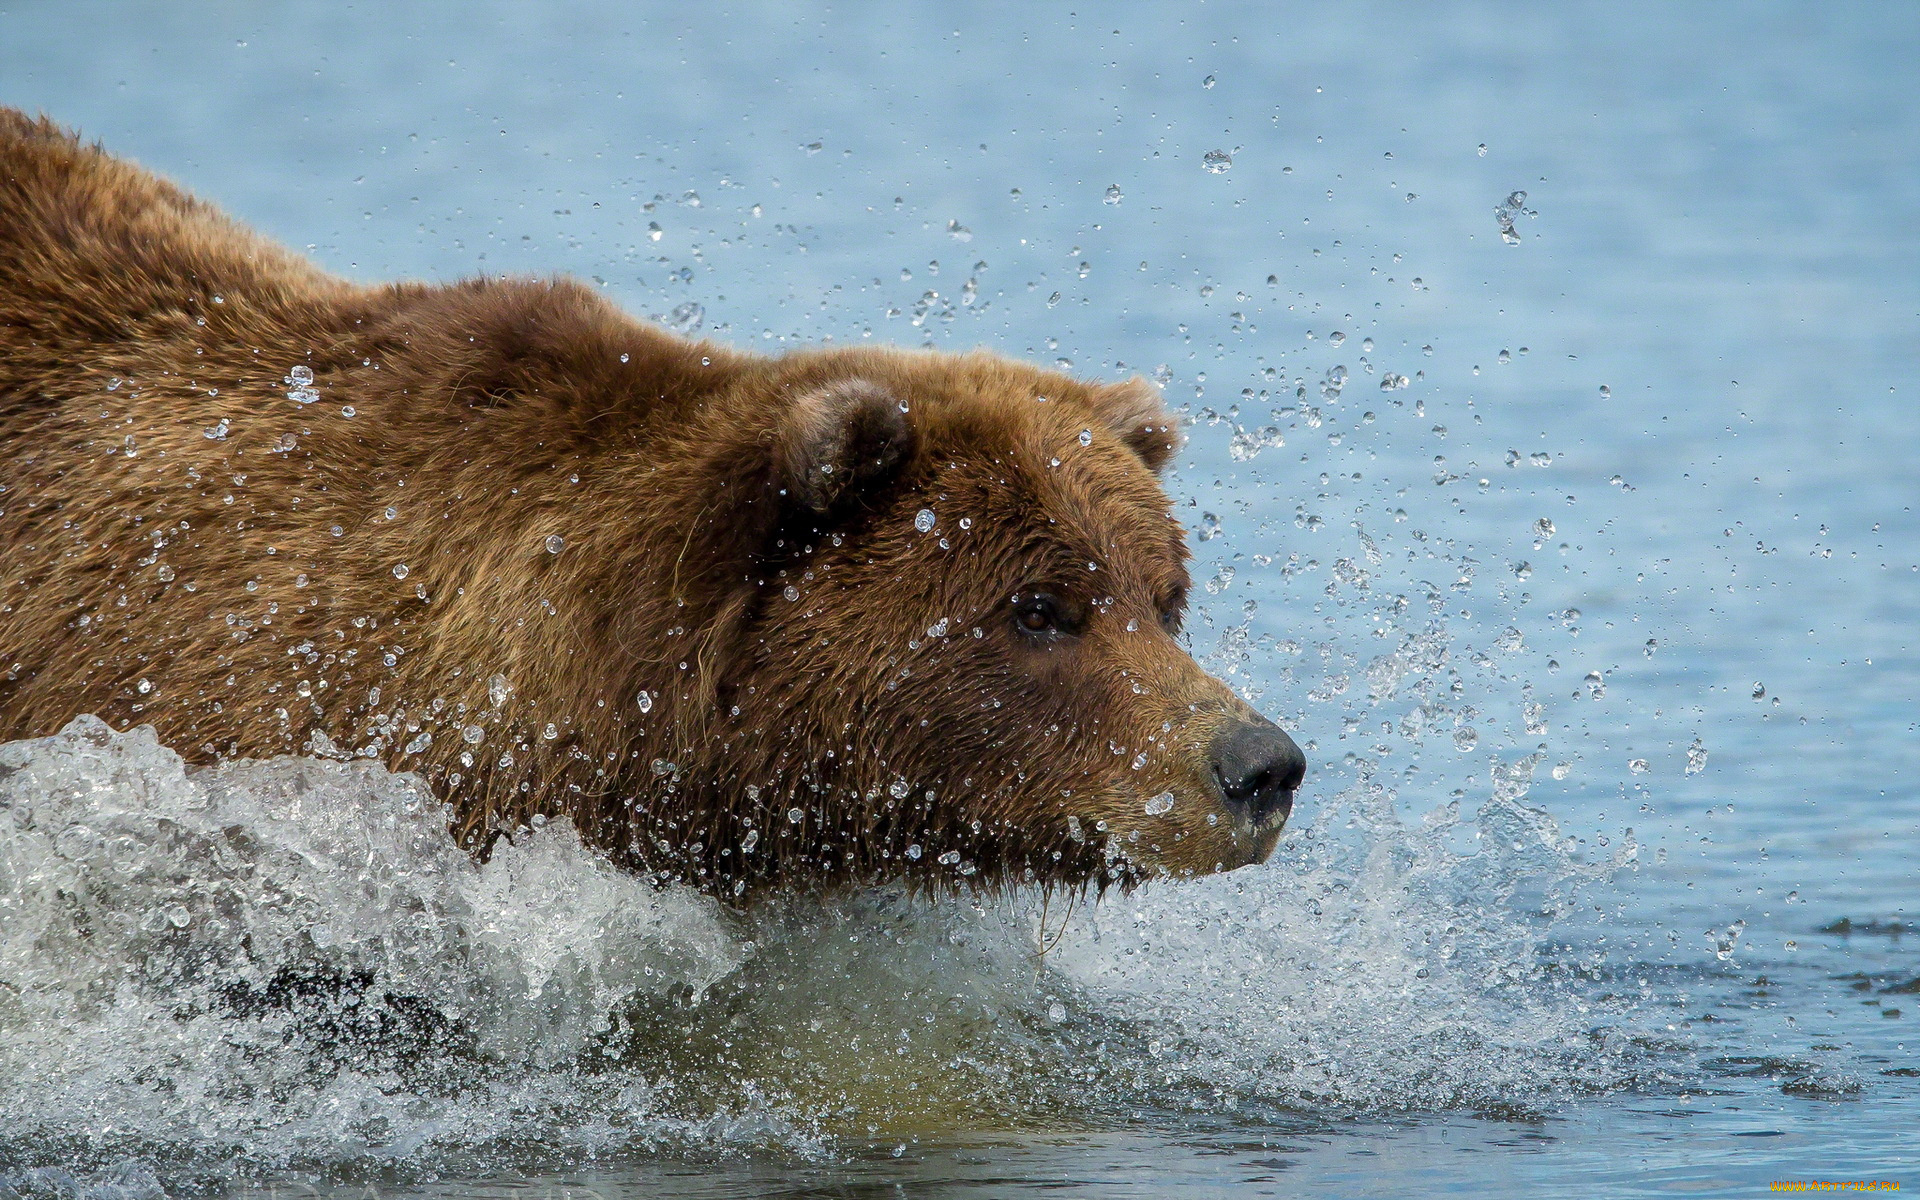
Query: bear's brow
{"points": [[1104, 508], [1108, 514], [1149, 554]]}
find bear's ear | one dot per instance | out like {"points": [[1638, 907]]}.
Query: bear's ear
{"points": [[839, 441], [1137, 414]]}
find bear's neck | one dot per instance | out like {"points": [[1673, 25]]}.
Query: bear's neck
{"points": [[575, 581]]}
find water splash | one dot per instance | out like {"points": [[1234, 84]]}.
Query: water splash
{"points": [[292, 963], [1377, 966]]}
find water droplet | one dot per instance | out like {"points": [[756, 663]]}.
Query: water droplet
{"points": [[1247, 443], [1483, 150], [1207, 82], [1724, 943], [1606, 393], [1113, 194], [899, 789], [1543, 528], [556, 543], [949, 858], [686, 318], [1696, 757], [1159, 805], [1505, 215], [300, 376], [473, 735], [1759, 691], [913, 851], [1217, 162], [790, 593], [400, 571], [795, 816], [1639, 766], [645, 701], [938, 629], [499, 690], [923, 520], [1562, 770]]}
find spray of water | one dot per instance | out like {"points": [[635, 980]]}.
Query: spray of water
{"points": [[291, 960], [291, 965]]}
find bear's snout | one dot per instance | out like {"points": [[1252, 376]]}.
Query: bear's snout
{"points": [[1258, 768]]}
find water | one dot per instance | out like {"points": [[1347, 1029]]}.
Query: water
{"points": [[1572, 533]]}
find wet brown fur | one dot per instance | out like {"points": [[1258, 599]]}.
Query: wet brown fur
{"points": [[184, 545]]}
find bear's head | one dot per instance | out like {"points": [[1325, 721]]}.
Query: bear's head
{"points": [[954, 645]]}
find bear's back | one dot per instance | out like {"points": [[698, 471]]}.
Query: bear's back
{"points": [[95, 252]]}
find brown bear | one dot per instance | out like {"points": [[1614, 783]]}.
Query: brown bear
{"points": [[836, 615]]}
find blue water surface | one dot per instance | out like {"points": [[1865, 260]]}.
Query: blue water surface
{"points": [[1658, 420]]}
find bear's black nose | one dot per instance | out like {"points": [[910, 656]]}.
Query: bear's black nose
{"points": [[1259, 769]]}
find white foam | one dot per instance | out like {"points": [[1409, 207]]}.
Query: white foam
{"points": [[292, 962], [1373, 967], [156, 925]]}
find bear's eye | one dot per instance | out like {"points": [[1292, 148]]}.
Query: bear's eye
{"points": [[1038, 612], [1171, 611]]}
